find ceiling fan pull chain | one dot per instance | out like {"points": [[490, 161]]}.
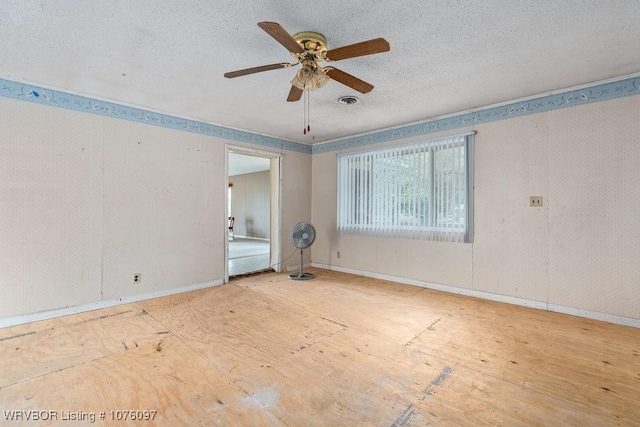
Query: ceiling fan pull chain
{"points": [[308, 111], [305, 113]]}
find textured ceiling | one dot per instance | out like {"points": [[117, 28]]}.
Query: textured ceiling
{"points": [[446, 56]]}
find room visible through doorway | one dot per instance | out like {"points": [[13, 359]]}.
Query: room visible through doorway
{"points": [[249, 213]]}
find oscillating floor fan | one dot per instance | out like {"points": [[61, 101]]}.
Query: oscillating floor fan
{"points": [[302, 236]]}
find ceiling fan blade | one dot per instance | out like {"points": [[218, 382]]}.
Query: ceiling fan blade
{"points": [[359, 49], [294, 94], [281, 35], [349, 80], [253, 70]]}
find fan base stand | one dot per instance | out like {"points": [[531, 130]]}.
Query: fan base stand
{"points": [[301, 276]]}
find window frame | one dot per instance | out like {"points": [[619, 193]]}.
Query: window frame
{"points": [[350, 206]]}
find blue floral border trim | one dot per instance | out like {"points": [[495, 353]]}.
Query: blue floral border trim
{"points": [[39, 95], [602, 92], [597, 93]]}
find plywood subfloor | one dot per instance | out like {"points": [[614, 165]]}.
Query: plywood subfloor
{"points": [[337, 350]]}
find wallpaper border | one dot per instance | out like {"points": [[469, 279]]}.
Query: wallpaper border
{"points": [[55, 98], [566, 99]]}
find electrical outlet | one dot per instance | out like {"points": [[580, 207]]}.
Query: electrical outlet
{"points": [[338, 254], [137, 278], [535, 201]]}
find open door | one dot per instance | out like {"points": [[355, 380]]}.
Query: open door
{"points": [[253, 211]]}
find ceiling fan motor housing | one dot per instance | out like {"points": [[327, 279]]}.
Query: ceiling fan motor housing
{"points": [[314, 45]]}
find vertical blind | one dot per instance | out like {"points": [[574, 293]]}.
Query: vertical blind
{"points": [[416, 191]]}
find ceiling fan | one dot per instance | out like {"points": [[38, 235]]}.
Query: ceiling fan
{"points": [[310, 48]]}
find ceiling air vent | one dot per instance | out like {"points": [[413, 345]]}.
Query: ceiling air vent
{"points": [[348, 100]]}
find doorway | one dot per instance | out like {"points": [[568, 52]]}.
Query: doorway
{"points": [[253, 180]]}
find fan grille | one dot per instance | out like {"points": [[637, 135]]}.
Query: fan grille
{"points": [[303, 235]]}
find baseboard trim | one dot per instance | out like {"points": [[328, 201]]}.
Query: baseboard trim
{"points": [[297, 266], [541, 305], [595, 315], [51, 314]]}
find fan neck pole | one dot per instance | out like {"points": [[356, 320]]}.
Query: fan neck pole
{"points": [[301, 262]]}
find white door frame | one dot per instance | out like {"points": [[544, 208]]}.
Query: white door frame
{"points": [[274, 197]]}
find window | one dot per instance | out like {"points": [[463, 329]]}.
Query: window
{"points": [[417, 191]]}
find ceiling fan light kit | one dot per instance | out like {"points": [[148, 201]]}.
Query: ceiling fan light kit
{"points": [[309, 48], [310, 77]]}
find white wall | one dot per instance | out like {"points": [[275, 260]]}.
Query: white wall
{"points": [[250, 204], [50, 208], [295, 201], [580, 250], [87, 201]]}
